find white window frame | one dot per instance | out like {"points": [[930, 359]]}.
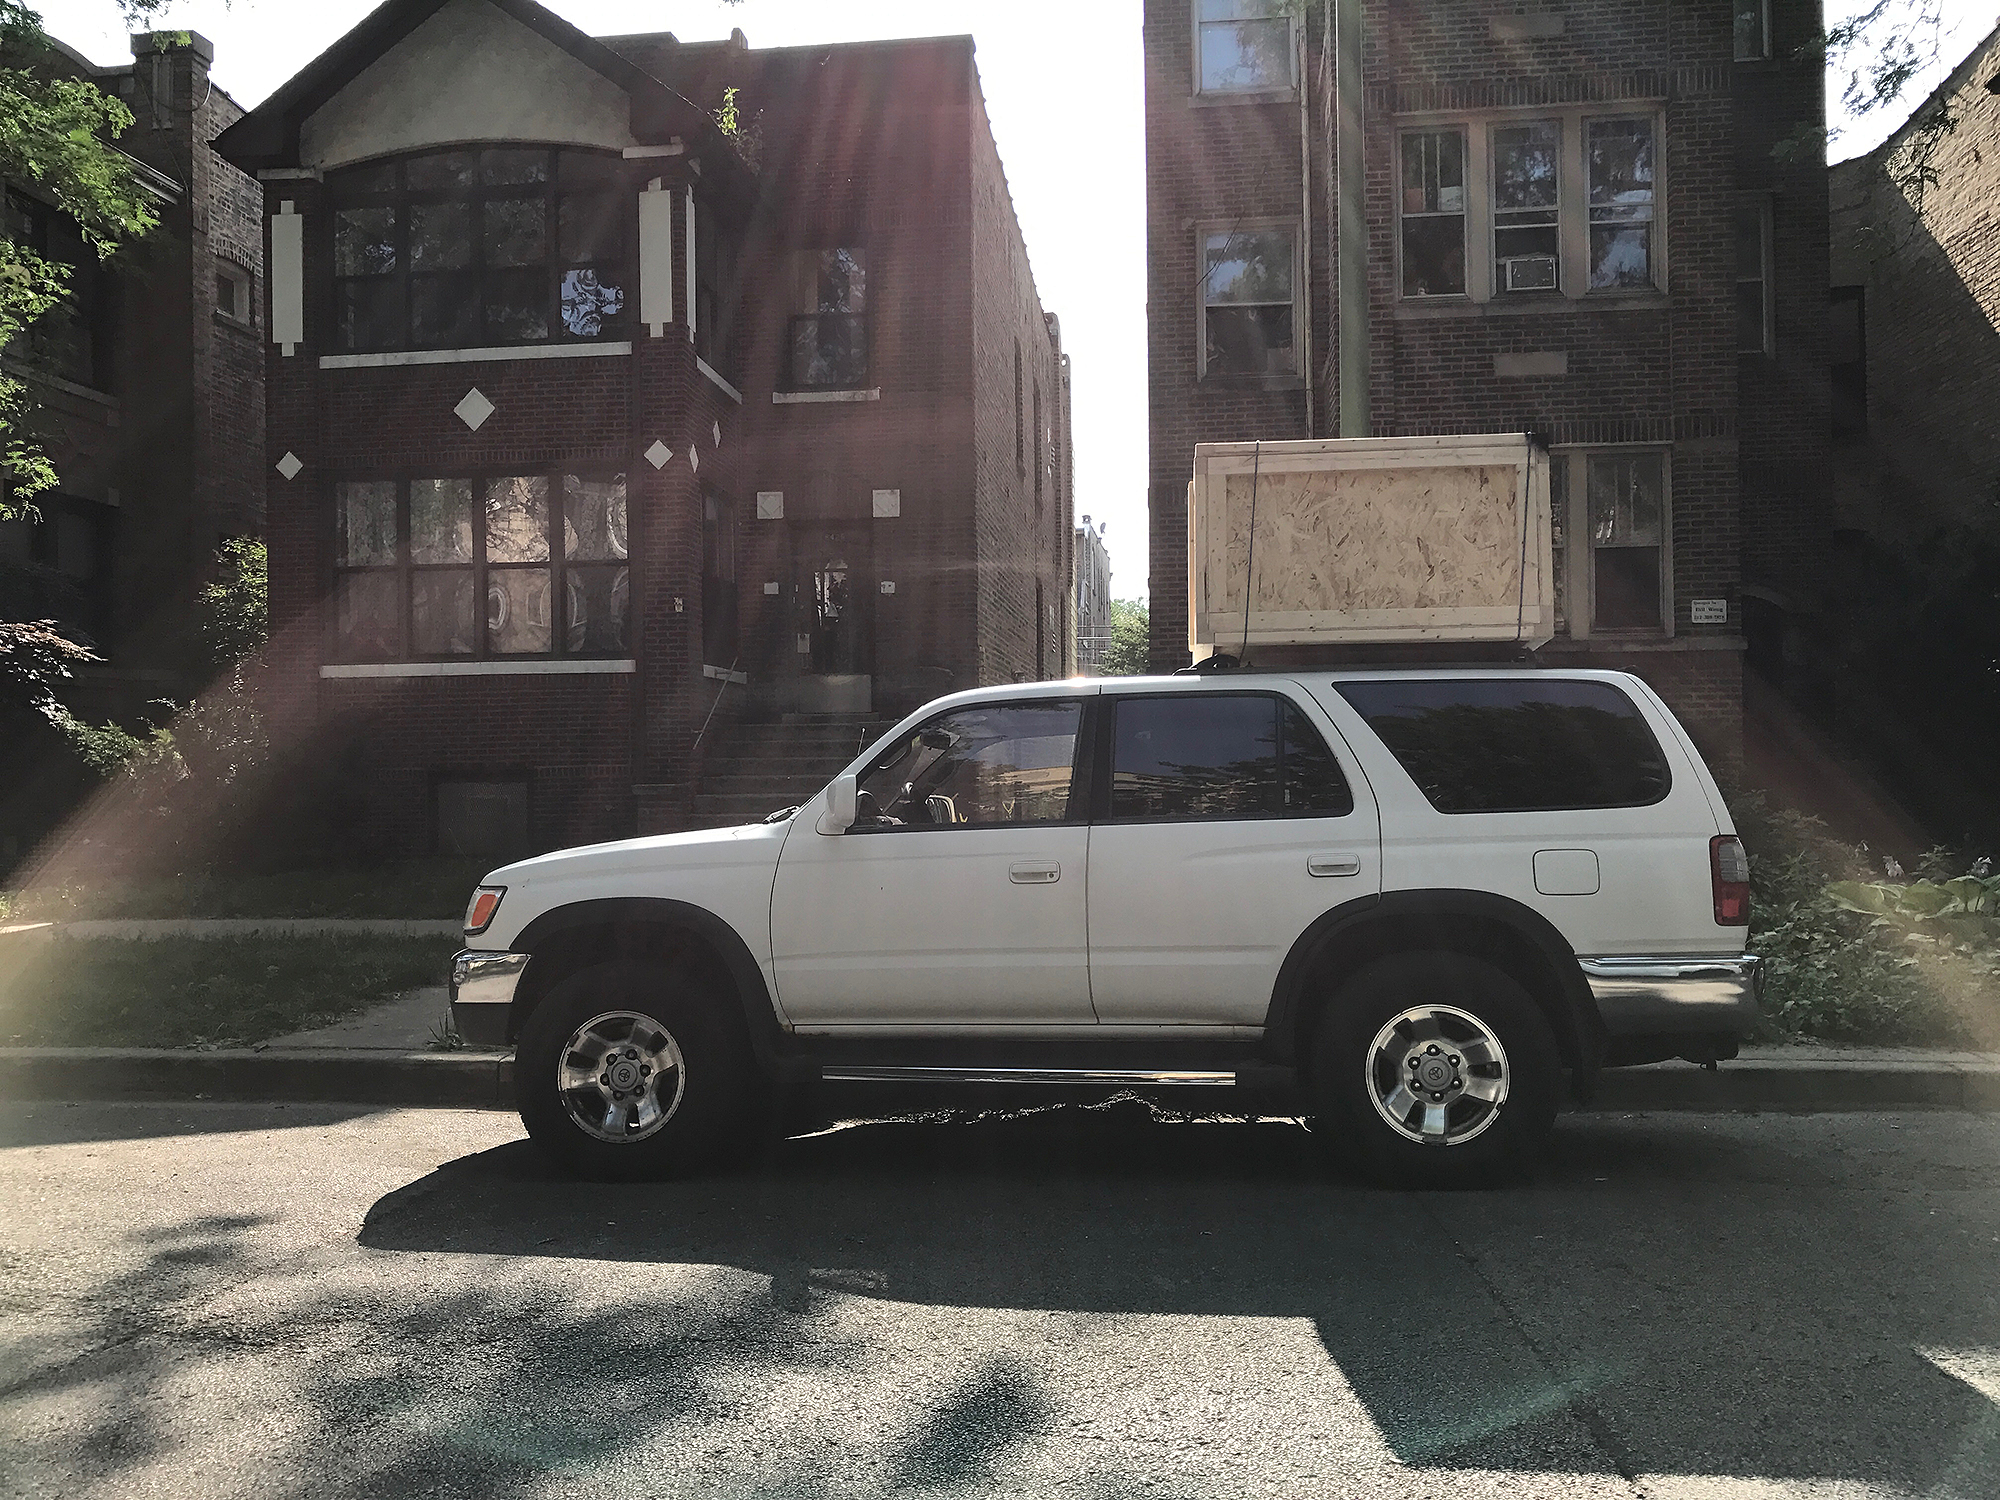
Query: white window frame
{"points": [[1763, 52], [1241, 96], [1578, 562], [1202, 231], [1761, 204], [1572, 198]]}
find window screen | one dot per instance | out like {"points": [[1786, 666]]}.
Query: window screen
{"points": [[1221, 756], [1516, 744]]}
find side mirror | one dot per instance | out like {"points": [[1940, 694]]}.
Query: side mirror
{"points": [[841, 798]]}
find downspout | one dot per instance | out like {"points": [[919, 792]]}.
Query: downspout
{"points": [[1351, 170], [1306, 229]]}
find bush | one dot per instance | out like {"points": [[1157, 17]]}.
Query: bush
{"points": [[1127, 653]]}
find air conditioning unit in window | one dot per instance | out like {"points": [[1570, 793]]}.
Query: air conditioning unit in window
{"points": [[1528, 273]]}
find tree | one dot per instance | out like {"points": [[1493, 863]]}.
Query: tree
{"points": [[1127, 653]]}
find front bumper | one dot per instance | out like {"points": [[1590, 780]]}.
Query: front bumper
{"points": [[1676, 996], [482, 994]]}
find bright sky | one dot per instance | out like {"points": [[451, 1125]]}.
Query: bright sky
{"points": [[1068, 119]]}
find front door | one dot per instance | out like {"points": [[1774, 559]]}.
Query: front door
{"points": [[958, 897], [1231, 824], [834, 613]]}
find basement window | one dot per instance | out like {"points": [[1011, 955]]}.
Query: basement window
{"points": [[1248, 301]]}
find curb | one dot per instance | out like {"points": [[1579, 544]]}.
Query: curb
{"points": [[485, 1080]]}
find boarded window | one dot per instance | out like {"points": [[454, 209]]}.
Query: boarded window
{"points": [[1507, 744]]}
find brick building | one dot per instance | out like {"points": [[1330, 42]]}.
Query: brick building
{"points": [[1093, 595], [1567, 220], [150, 386], [590, 421]]}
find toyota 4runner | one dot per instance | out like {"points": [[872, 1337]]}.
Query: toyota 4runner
{"points": [[1417, 906]]}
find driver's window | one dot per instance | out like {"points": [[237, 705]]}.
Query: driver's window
{"points": [[973, 767]]}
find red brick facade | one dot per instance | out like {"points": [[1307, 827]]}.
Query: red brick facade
{"points": [[909, 481], [1743, 434]]}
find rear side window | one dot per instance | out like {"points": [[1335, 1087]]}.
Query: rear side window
{"points": [[1221, 755], [1516, 744]]}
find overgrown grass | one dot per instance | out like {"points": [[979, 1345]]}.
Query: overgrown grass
{"points": [[1837, 975], [189, 992], [418, 889]]}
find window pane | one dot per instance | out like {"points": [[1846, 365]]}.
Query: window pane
{"points": [[1434, 172], [1750, 317], [1524, 167], [590, 169], [589, 300], [1434, 256], [370, 313], [1238, 56], [1626, 498], [364, 241], [368, 617], [440, 520], [1195, 756], [448, 171], [1249, 266], [1621, 256], [517, 611], [841, 281], [441, 614], [593, 518], [1515, 745], [1750, 42], [517, 231], [1749, 241], [1314, 785], [504, 166], [1626, 591], [1250, 341], [590, 227], [517, 307], [1009, 764], [517, 519], [440, 236], [600, 605], [365, 520], [830, 350], [359, 180], [444, 310], [1621, 169]]}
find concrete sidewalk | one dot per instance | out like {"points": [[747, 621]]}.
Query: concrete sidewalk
{"points": [[1764, 1078]]}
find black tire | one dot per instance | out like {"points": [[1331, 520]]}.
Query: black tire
{"points": [[713, 1105], [1458, 994]]}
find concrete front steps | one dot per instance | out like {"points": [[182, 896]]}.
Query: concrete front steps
{"points": [[757, 768]]}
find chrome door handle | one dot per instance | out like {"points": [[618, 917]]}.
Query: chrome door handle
{"points": [[1322, 865], [1025, 874]]}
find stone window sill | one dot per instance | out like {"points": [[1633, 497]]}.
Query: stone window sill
{"points": [[524, 667], [807, 398], [394, 357], [1422, 309]]}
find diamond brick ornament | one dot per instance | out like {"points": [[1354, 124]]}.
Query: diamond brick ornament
{"points": [[694, 460], [473, 409], [289, 465], [659, 455], [716, 428]]}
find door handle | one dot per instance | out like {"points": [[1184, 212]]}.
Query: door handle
{"points": [[1322, 865], [1030, 874]]}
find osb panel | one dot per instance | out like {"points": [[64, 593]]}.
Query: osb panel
{"points": [[1346, 542]]}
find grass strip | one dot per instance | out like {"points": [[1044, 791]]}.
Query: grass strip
{"points": [[200, 992], [412, 890]]}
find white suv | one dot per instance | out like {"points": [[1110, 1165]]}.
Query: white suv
{"points": [[1407, 903]]}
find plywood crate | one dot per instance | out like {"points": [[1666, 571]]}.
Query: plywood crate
{"points": [[1370, 540]]}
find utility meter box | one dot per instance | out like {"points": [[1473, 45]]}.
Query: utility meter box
{"points": [[1366, 541]]}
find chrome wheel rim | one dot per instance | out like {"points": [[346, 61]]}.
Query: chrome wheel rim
{"points": [[1437, 1075], [620, 1077]]}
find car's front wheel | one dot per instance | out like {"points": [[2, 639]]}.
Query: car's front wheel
{"points": [[1436, 1070], [625, 1071]]}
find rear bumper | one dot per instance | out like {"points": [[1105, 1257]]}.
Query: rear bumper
{"points": [[1675, 996], [482, 994]]}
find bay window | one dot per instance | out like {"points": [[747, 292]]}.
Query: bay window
{"points": [[1247, 301], [478, 248], [415, 558]]}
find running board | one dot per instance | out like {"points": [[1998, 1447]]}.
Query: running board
{"points": [[1125, 1077]]}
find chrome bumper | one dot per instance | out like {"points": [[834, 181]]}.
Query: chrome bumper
{"points": [[482, 994], [1668, 996]]}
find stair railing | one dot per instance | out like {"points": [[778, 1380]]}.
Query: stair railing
{"points": [[713, 707]]}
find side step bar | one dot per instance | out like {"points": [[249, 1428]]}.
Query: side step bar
{"points": [[1127, 1077]]}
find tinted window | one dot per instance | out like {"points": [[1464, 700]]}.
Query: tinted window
{"points": [[1516, 745], [1009, 763], [1212, 755]]}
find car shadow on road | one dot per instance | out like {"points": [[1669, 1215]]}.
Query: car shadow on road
{"points": [[1699, 1299]]}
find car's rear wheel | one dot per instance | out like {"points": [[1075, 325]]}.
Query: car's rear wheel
{"points": [[625, 1071], [1436, 1070]]}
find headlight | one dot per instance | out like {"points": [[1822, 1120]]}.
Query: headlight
{"points": [[485, 902]]}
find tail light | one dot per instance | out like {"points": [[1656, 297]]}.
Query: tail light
{"points": [[1729, 867], [486, 901]]}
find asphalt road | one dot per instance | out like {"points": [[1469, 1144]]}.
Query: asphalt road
{"points": [[223, 1300]]}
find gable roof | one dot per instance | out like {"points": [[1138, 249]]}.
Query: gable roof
{"points": [[268, 136]]}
